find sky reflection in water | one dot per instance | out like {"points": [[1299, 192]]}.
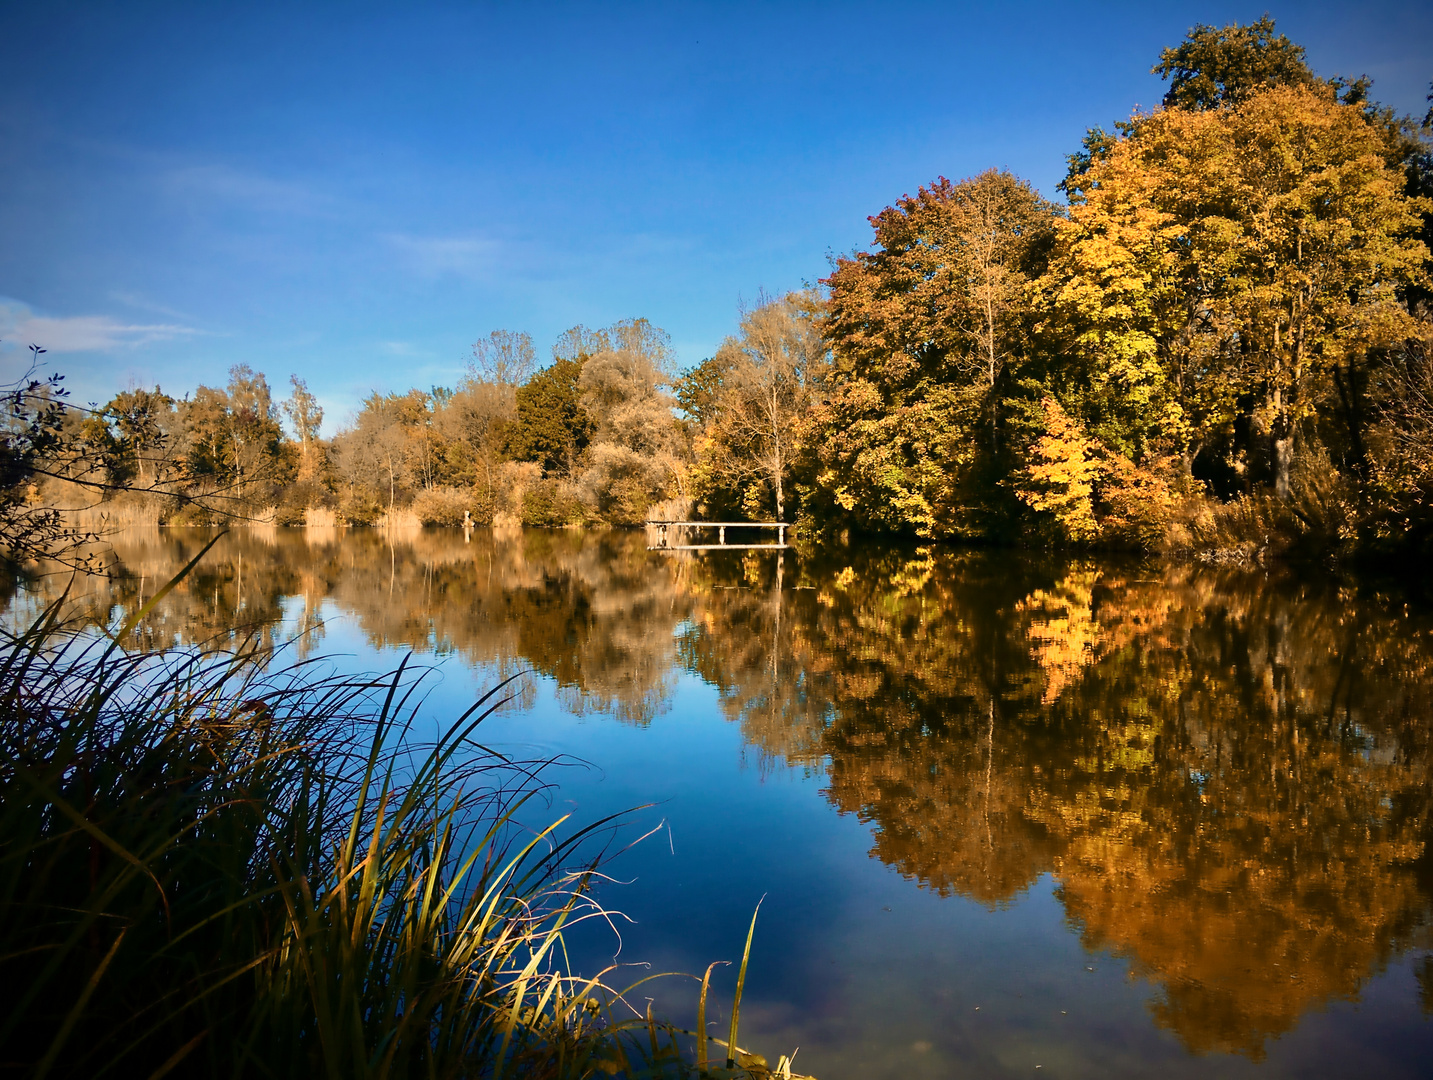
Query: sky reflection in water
{"points": [[1145, 818]]}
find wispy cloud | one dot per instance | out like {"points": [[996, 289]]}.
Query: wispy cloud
{"points": [[20, 327], [440, 256], [254, 190], [143, 303]]}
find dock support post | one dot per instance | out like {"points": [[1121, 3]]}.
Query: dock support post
{"points": [[721, 534]]}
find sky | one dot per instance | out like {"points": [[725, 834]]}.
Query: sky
{"points": [[354, 193]]}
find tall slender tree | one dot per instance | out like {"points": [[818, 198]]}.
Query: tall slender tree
{"points": [[304, 413], [770, 372]]}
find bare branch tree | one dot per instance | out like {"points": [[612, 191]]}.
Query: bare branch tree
{"points": [[771, 369], [504, 357]]}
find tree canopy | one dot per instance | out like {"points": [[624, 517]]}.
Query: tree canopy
{"points": [[1216, 66]]}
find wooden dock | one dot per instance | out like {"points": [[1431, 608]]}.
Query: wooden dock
{"points": [[664, 539]]}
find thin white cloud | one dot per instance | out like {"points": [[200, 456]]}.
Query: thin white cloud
{"points": [[20, 327], [254, 190], [142, 303], [440, 256]]}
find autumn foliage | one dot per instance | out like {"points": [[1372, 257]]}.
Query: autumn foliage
{"points": [[1226, 310]]}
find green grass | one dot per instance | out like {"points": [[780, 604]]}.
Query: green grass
{"points": [[212, 864]]}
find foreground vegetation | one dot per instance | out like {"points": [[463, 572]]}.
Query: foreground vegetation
{"points": [[1221, 343], [213, 865]]}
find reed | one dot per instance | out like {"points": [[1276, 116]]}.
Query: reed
{"points": [[399, 518], [321, 517], [212, 863]]}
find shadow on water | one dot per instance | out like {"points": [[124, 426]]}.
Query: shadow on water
{"points": [[1225, 773]]}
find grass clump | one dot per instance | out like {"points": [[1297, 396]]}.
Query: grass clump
{"points": [[212, 867]]}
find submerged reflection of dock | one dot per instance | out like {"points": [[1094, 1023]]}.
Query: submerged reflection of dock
{"points": [[665, 537]]}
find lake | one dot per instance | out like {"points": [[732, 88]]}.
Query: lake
{"points": [[1008, 812]]}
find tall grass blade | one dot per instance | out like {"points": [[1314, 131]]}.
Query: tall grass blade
{"points": [[176, 1057], [731, 1051], [702, 1018]]}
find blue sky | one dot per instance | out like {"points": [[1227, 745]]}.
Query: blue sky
{"points": [[357, 192]]}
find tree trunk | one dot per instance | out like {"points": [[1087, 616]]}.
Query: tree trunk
{"points": [[1282, 442], [1283, 456]]}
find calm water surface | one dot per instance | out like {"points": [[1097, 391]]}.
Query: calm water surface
{"points": [[1106, 819]]}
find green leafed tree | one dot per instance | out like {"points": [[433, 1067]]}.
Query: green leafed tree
{"points": [[232, 436], [1216, 66], [552, 427], [699, 387], [128, 438]]}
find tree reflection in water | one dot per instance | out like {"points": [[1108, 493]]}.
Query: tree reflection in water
{"points": [[1227, 774]]}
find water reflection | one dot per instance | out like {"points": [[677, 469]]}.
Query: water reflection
{"points": [[1227, 775]]}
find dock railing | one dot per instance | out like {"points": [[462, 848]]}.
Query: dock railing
{"points": [[663, 532]]}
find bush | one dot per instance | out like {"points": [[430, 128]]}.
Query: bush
{"points": [[442, 505], [1247, 529], [484, 507], [361, 507], [191, 513], [552, 504], [622, 484], [290, 514]]}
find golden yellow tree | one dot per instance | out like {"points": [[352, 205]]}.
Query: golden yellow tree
{"points": [[1238, 250]]}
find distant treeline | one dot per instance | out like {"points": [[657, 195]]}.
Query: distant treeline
{"points": [[1221, 344]]}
